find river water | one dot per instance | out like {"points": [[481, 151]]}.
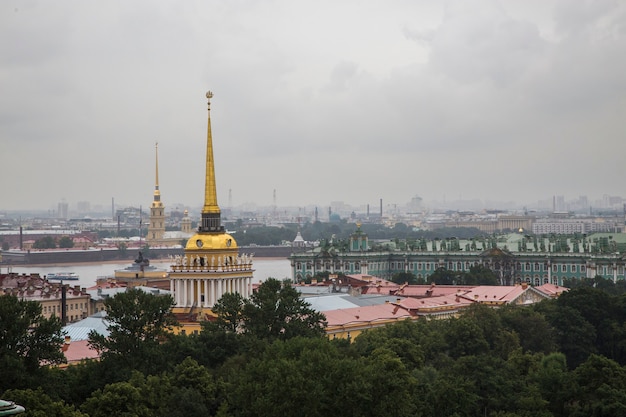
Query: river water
{"points": [[88, 273]]}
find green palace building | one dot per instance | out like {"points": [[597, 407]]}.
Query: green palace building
{"points": [[513, 257]]}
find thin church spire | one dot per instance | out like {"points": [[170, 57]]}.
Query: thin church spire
{"points": [[157, 193], [211, 221]]}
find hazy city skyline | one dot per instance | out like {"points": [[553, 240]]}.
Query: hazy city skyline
{"points": [[359, 101]]}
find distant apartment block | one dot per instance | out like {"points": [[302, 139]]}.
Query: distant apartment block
{"points": [[486, 224], [572, 226]]}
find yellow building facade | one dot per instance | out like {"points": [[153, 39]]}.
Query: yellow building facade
{"points": [[211, 265]]}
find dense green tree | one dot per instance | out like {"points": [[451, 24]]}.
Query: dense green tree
{"points": [[46, 242], [405, 277], [440, 395], [137, 323], [464, 337], [443, 276], [214, 346], [605, 314], [497, 385], [312, 377], [573, 334], [534, 331], [427, 339], [66, 242], [27, 341], [229, 310], [502, 341], [122, 399], [599, 390], [122, 249], [480, 275], [39, 404], [189, 390], [77, 382], [276, 311], [553, 381], [402, 338]]}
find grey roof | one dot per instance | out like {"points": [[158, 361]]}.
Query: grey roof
{"points": [[80, 329], [100, 293], [329, 302], [306, 290], [374, 300], [340, 301]]}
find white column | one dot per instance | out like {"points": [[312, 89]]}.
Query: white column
{"points": [[218, 293], [206, 292]]}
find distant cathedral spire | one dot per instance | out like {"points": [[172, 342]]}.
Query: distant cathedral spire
{"points": [[157, 193], [211, 219], [156, 228]]}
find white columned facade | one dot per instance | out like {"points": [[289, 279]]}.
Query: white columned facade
{"points": [[203, 288]]}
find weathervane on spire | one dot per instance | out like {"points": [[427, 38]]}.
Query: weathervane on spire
{"points": [[209, 96]]}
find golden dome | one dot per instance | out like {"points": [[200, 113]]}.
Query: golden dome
{"points": [[211, 241]]}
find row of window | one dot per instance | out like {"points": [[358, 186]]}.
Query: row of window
{"points": [[463, 266], [49, 309]]}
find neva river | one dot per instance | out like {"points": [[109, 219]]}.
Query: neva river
{"points": [[88, 273]]}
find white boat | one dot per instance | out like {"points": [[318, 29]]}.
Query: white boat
{"points": [[62, 276]]}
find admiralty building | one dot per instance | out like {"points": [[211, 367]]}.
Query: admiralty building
{"points": [[513, 257]]}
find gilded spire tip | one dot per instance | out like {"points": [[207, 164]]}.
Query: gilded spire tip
{"points": [[209, 96]]}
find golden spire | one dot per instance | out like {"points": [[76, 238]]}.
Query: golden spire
{"points": [[157, 193], [210, 193], [211, 221]]}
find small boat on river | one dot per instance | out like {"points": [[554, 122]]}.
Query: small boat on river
{"points": [[62, 276]]}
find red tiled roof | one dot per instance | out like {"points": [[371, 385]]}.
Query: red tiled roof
{"points": [[551, 289], [379, 289], [447, 302], [371, 280], [418, 291], [366, 314], [76, 351]]}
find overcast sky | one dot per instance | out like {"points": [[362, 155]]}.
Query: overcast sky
{"points": [[319, 100]]}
